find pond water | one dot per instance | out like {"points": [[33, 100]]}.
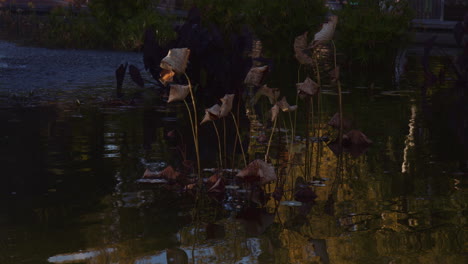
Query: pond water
{"points": [[69, 190]]}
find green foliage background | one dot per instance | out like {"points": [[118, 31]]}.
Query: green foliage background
{"points": [[275, 23], [369, 32]]}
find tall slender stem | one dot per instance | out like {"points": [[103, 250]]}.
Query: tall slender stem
{"points": [[195, 127], [271, 137], [219, 145], [240, 140], [340, 101]]}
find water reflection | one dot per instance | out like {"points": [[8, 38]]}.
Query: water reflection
{"points": [[70, 194]]}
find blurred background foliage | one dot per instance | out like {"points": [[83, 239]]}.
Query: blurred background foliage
{"points": [[369, 32]]}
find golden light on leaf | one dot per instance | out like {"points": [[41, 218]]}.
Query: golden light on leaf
{"points": [[178, 92], [211, 113], [308, 87], [176, 60], [300, 45], [167, 76]]}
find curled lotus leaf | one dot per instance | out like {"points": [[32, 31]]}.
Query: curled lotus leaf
{"points": [[211, 113], [226, 105], [258, 171], [255, 75], [178, 92], [327, 31], [166, 76], [308, 87], [176, 60], [300, 47]]}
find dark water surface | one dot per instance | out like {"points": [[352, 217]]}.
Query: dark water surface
{"points": [[69, 191]]}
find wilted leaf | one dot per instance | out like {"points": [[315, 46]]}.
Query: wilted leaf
{"points": [[308, 87], [356, 137], [216, 184], [285, 107], [300, 47], [226, 105], [169, 173], [211, 113], [136, 76], [327, 31], [176, 60], [258, 171], [150, 174], [178, 92], [272, 93], [255, 75], [335, 122]]}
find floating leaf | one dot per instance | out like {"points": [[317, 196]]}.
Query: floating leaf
{"points": [[308, 87], [226, 105], [176, 60], [327, 31], [300, 47], [150, 174], [169, 173], [136, 76], [211, 113], [255, 75], [258, 171], [178, 92], [166, 76]]}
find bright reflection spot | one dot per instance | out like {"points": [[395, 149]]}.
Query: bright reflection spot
{"points": [[409, 141]]}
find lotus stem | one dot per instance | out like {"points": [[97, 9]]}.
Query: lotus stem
{"points": [[271, 137], [240, 140], [292, 136], [219, 145], [195, 127], [224, 139], [340, 102]]}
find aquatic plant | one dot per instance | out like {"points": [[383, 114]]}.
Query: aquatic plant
{"points": [[177, 60]]}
